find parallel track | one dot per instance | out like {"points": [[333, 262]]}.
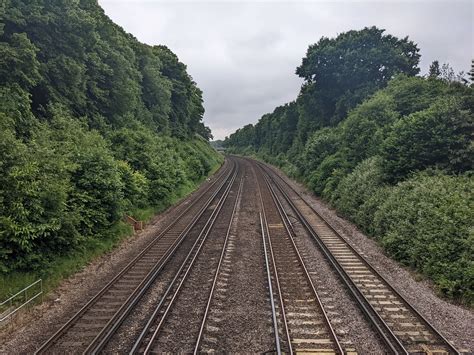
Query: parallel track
{"points": [[214, 287], [401, 326], [100, 316], [299, 319], [191, 280], [193, 248]]}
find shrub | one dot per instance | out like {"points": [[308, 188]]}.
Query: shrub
{"points": [[426, 222], [327, 175], [135, 187], [33, 194], [356, 189], [412, 94], [440, 136], [86, 120], [364, 129], [322, 144]]}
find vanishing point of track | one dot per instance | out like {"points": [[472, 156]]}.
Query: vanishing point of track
{"points": [[192, 288]]}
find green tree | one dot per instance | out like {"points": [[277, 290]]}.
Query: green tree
{"points": [[88, 123], [471, 72], [339, 73], [33, 193], [434, 71], [186, 99], [18, 62]]}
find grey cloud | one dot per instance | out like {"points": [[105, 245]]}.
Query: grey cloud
{"points": [[243, 54]]}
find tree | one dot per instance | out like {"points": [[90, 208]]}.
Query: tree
{"points": [[89, 120], [434, 71], [447, 73], [186, 98], [340, 72], [471, 73], [18, 62], [243, 137]]}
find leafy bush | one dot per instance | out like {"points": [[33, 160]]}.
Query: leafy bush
{"points": [[325, 178], [411, 126], [93, 124], [412, 94], [135, 187], [440, 136], [365, 127], [356, 189], [322, 144], [426, 223], [65, 187], [33, 193]]}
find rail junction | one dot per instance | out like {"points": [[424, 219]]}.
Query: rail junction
{"points": [[181, 293]]}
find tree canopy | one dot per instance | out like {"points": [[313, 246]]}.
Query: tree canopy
{"points": [[72, 53], [339, 73]]}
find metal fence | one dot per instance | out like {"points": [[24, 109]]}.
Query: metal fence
{"points": [[20, 300]]}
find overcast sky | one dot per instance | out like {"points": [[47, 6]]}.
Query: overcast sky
{"points": [[243, 54]]}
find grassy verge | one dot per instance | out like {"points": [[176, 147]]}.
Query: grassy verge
{"points": [[66, 265]]}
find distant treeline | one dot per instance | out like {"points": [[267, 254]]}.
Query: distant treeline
{"points": [[93, 124], [390, 150], [217, 144]]}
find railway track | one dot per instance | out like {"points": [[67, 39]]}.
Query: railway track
{"points": [[299, 319], [237, 313], [190, 259], [220, 279], [178, 321], [403, 329], [91, 327]]}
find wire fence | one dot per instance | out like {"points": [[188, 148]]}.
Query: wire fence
{"points": [[20, 299]]}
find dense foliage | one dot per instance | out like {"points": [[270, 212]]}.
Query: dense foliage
{"points": [[390, 150], [93, 124]]}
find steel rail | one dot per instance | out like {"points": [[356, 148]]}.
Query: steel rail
{"points": [[275, 271], [222, 178], [288, 226], [270, 288], [198, 244], [390, 339], [216, 275]]}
